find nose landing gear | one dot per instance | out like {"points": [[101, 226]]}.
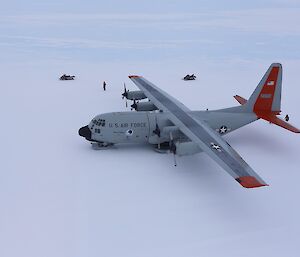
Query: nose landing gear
{"points": [[101, 145]]}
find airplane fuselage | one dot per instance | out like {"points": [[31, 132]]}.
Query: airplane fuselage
{"points": [[140, 127]]}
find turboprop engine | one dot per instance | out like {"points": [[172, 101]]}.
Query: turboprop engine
{"points": [[133, 95], [145, 106], [178, 143]]}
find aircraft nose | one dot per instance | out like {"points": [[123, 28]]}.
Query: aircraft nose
{"points": [[85, 132]]}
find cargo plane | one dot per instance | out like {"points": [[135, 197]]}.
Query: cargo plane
{"points": [[170, 126]]}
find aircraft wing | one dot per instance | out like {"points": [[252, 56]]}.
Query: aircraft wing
{"points": [[200, 132]]}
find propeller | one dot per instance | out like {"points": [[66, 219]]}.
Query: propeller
{"points": [[156, 131], [172, 144], [173, 148], [134, 105], [125, 94]]}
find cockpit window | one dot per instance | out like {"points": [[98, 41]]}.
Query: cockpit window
{"points": [[99, 122]]}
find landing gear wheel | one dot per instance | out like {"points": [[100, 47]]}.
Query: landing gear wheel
{"points": [[162, 148], [101, 145]]}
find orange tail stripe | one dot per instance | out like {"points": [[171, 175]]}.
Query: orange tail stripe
{"points": [[266, 95]]}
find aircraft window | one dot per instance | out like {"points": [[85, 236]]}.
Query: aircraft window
{"points": [[101, 122], [97, 131]]}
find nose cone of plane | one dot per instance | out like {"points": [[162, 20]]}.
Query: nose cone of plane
{"points": [[85, 132]]}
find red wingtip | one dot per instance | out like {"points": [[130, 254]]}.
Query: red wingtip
{"points": [[249, 182], [133, 76]]}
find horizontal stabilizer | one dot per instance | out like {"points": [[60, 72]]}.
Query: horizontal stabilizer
{"points": [[279, 122], [267, 95], [240, 99]]}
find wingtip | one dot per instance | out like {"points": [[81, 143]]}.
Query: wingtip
{"points": [[133, 76], [250, 182], [296, 130]]}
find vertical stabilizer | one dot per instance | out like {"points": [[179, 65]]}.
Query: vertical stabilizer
{"points": [[266, 98], [265, 101]]}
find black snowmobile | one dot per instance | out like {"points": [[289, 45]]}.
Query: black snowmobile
{"points": [[189, 77], [67, 77]]}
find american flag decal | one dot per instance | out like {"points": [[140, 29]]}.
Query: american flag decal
{"points": [[270, 83]]}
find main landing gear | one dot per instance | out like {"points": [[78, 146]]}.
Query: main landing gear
{"points": [[162, 148]]}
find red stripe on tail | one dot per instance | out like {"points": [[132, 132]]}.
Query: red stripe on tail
{"points": [[266, 95]]}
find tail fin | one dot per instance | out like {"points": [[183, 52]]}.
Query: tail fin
{"points": [[266, 98], [265, 101]]}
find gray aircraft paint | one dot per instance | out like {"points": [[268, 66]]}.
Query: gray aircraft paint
{"points": [[118, 125]]}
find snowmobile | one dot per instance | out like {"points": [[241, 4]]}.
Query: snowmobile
{"points": [[67, 77], [189, 77]]}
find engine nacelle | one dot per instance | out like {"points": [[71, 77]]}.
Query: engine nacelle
{"points": [[146, 106], [187, 148], [135, 95]]}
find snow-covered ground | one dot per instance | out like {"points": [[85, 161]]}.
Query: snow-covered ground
{"points": [[59, 197]]}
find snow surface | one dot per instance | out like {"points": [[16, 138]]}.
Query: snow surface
{"points": [[61, 198]]}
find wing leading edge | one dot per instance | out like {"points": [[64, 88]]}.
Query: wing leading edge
{"points": [[199, 132]]}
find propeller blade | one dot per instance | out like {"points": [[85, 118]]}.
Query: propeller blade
{"points": [[175, 162], [133, 106], [125, 95], [173, 148], [157, 129], [171, 144], [125, 92]]}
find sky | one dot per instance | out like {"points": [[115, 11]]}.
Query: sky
{"points": [[61, 198], [143, 30]]}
